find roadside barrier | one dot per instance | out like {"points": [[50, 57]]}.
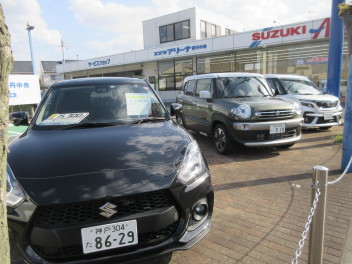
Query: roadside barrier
{"points": [[316, 218]]}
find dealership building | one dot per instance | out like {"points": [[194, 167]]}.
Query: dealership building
{"points": [[194, 41]]}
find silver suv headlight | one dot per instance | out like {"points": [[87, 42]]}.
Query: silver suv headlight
{"points": [[242, 111], [14, 192], [192, 165]]}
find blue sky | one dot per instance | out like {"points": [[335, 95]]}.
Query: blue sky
{"points": [[95, 28]]}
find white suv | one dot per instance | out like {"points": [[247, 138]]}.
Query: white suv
{"points": [[319, 110]]}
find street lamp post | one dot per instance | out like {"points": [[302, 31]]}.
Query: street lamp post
{"points": [[30, 28]]}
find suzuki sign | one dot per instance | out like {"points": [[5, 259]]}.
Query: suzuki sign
{"points": [[303, 31]]}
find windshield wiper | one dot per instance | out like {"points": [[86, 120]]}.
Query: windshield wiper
{"points": [[148, 119], [90, 124]]}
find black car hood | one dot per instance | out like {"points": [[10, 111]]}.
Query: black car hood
{"points": [[65, 166]]}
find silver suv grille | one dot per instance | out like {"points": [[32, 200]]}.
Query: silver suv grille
{"points": [[326, 104], [275, 114]]}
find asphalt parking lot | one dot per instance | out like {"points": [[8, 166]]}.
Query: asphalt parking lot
{"points": [[262, 201]]}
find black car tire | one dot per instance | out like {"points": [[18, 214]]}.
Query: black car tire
{"points": [[325, 128], [15, 254], [222, 140]]}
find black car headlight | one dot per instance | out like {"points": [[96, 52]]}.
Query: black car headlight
{"points": [[14, 192], [193, 164]]}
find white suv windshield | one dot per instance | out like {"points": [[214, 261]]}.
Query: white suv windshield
{"points": [[242, 87], [300, 87], [103, 103]]}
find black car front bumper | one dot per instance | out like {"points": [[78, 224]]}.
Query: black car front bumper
{"points": [[164, 219]]}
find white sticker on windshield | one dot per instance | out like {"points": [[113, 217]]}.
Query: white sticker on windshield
{"points": [[138, 104], [64, 119]]}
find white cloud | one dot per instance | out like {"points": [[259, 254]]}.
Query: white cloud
{"points": [[122, 24], [42, 36], [116, 27]]}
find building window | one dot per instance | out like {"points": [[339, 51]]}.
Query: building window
{"points": [[172, 74], [176, 31], [219, 63], [55, 77], [213, 30], [203, 29]]}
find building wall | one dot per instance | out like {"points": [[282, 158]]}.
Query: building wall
{"points": [[195, 15], [49, 78], [151, 27]]}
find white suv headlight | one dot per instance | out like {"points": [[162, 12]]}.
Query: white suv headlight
{"points": [[242, 111], [297, 108], [192, 165], [14, 192], [307, 103]]}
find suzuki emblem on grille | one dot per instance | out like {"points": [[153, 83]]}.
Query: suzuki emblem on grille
{"points": [[108, 210], [277, 113]]}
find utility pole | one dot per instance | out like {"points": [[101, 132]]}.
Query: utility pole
{"points": [[62, 46], [30, 28]]}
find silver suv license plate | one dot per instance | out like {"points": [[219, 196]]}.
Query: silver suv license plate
{"points": [[102, 237]]}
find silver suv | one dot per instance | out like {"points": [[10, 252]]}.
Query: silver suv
{"points": [[319, 110]]}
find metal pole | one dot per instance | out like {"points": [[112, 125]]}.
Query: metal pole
{"points": [[316, 236], [30, 28], [347, 129], [63, 54], [335, 50]]}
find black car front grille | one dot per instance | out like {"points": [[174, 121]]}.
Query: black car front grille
{"points": [[326, 104], [274, 114], [75, 251], [82, 213], [61, 218]]}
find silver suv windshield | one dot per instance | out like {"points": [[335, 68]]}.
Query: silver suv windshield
{"points": [[237, 87], [119, 103], [299, 87]]}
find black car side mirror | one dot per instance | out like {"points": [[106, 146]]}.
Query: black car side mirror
{"points": [[175, 108], [19, 118]]}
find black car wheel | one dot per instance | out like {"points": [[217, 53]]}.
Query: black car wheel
{"points": [[222, 140]]}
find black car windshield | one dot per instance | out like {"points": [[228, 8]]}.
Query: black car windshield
{"points": [[237, 87], [97, 105], [300, 87]]}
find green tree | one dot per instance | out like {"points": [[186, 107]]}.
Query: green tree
{"points": [[345, 11], [5, 68]]}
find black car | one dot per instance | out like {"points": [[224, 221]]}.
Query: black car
{"points": [[237, 108], [103, 174]]}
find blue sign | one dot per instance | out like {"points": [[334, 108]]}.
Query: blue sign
{"points": [[98, 63], [179, 50], [14, 85]]}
